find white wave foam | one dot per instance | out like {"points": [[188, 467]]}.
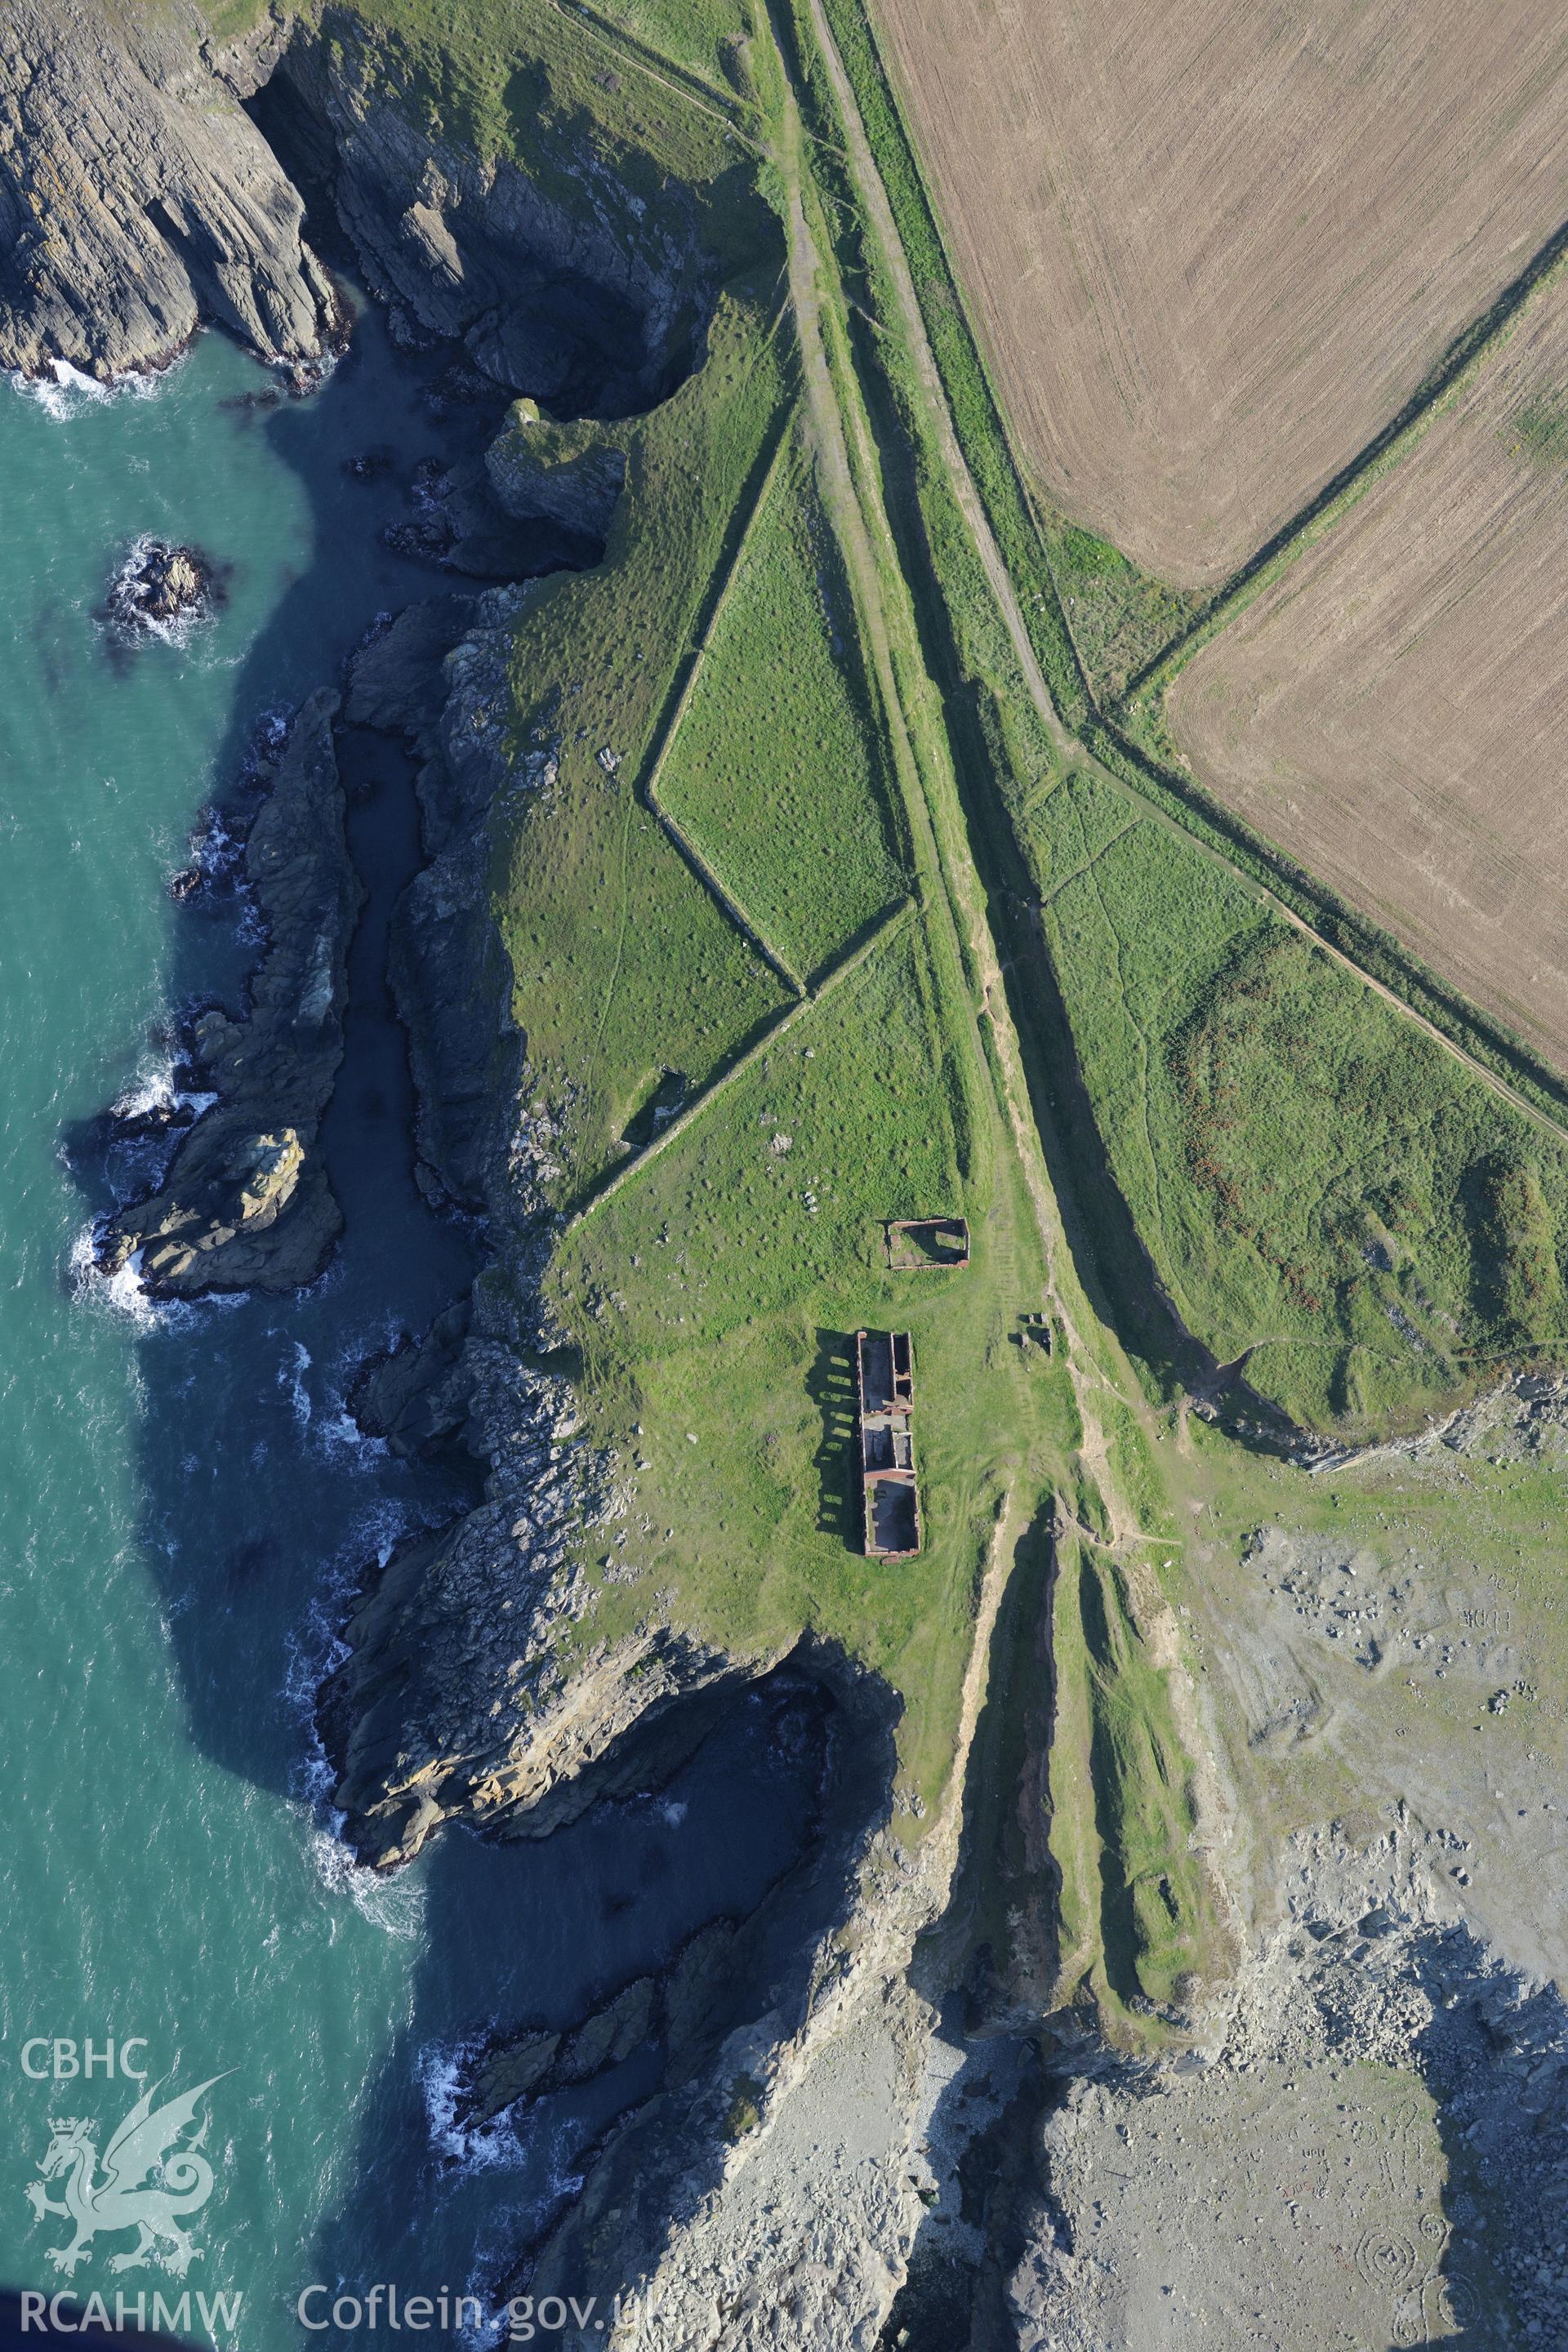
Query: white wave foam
{"points": [[122, 1292], [130, 620], [292, 1376], [395, 1906], [493, 2147], [340, 1438], [152, 1090], [69, 393]]}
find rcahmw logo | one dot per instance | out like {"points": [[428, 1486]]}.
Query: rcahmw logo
{"points": [[151, 2177]]}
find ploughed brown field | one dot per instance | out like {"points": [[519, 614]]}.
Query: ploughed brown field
{"points": [[1212, 249], [1392, 710]]}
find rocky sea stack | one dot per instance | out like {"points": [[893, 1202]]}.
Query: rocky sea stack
{"points": [[159, 587]]}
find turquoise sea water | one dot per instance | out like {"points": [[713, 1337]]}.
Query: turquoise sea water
{"points": [[183, 1499]]}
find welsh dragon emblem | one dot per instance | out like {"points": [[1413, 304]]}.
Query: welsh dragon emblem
{"points": [[147, 2184]]}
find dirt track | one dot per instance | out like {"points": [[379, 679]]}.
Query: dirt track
{"points": [[1213, 250], [1392, 710]]}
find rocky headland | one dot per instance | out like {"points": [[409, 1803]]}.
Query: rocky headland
{"points": [[808, 2145], [137, 198], [583, 292], [246, 1202]]}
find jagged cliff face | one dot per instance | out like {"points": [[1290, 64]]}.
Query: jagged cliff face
{"points": [[137, 199], [458, 1698], [246, 1203], [579, 293]]}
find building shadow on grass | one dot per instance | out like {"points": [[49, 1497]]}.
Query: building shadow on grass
{"points": [[830, 1384]]}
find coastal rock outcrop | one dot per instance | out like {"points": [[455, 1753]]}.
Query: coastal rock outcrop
{"points": [[159, 587], [451, 1703], [246, 1202], [566, 285], [137, 199], [561, 474]]}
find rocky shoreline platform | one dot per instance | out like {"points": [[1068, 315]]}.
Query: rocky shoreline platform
{"points": [[245, 1202]]}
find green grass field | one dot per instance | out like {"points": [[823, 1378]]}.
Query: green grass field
{"points": [[542, 84], [778, 771], [717, 1293], [1120, 617], [1313, 1177], [624, 964], [700, 35]]}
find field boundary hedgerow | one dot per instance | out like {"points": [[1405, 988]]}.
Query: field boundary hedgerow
{"points": [[977, 411], [1465, 356], [1376, 957], [854, 956], [676, 710], [1500, 1058]]}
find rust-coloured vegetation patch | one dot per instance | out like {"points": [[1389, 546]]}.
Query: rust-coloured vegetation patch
{"points": [[1212, 249], [1393, 709]]}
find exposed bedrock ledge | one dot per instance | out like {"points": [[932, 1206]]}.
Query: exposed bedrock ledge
{"points": [[449, 971], [137, 198], [580, 293], [147, 184], [713, 2201], [452, 1702], [539, 470], [246, 1202]]}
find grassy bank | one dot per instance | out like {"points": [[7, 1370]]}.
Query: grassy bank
{"points": [[1317, 1181], [625, 966]]}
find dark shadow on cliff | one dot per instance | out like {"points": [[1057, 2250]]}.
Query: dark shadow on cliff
{"points": [[257, 1489], [263, 1503], [670, 2151], [1003, 1900], [1471, 2269], [684, 1892]]}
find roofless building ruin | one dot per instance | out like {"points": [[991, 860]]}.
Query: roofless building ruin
{"points": [[885, 1370]]}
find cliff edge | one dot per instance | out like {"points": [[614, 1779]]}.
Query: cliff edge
{"points": [[137, 199]]}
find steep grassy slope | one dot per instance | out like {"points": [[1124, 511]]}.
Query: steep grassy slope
{"points": [[534, 82], [1315, 1180]]}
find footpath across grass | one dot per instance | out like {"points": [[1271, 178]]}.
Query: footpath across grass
{"points": [[537, 83]]}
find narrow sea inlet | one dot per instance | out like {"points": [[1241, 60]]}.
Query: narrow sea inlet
{"points": [[188, 1503]]}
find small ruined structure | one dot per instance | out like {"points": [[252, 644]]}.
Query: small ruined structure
{"points": [[884, 1366], [927, 1244]]}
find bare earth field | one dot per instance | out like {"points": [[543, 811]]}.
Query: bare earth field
{"points": [[1390, 710], [1211, 250]]}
